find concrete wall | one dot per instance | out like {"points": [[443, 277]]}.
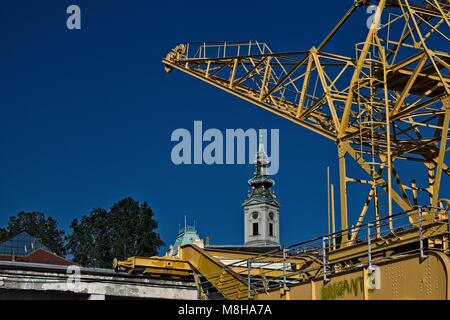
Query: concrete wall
{"points": [[26, 283]]}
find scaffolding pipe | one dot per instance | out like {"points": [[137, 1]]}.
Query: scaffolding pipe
{"points": [[249, 279], [422, 254], [324, 259]]}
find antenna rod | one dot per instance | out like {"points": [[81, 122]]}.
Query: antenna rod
{"points": [[333, 216]]}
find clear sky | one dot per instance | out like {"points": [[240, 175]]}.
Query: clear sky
{"points": [[86, 115]]}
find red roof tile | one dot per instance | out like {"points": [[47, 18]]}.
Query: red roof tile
{"points": [[39, 256]]}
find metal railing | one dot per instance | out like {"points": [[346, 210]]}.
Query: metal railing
{"points": [[310, 260], [204, 50]]}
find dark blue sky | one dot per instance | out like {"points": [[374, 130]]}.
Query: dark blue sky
{"points": [[86, 116]]}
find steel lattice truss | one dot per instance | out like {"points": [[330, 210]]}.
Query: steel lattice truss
{"points": [[388, 103]]}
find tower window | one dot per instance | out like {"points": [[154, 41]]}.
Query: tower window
{"points": [[271, 229], [255, 229]]}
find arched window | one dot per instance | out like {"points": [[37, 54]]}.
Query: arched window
{"points": [[255, 229]]}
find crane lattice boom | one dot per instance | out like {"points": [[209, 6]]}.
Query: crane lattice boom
{"points": [[386, 104]]}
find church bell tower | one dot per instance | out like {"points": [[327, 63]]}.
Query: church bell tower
{"points": [[261, 208]]}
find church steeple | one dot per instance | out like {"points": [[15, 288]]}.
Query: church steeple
{"points": [[261, 177], [261, 209]]}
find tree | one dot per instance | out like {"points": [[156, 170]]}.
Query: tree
{"points": [[3, 234], [90, 241], [127, 229], [37, 225]]}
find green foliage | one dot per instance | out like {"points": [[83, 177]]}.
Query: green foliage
{"points": [[35, 223], [127, 229], [3, 234], [90, 240]]}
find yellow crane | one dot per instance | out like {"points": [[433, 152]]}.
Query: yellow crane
{"points": [[387, 107]]}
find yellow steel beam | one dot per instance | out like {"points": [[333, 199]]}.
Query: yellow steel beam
{"points": [[333, 95], [359, 67], [343, 189], [442, 150], [227, 281], [155, 265]]}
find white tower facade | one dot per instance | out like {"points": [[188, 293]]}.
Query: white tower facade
{"points": [[261, 208]]}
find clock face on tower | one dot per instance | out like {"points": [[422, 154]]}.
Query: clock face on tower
{"points": [[255, 215]]}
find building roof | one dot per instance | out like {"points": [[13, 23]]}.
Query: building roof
{"points": [[39, 256], [244, 248], [23, 247], [21, 244], [187, 235]]}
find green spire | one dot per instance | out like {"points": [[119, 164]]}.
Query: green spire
{"points": [[260, 182]]}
